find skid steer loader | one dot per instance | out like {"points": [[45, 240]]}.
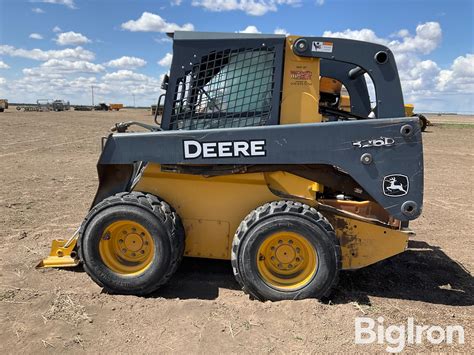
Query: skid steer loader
{"points": [[251, 164]]}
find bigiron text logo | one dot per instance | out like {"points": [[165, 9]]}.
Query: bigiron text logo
{"points": [[368, 331], [223, 149]]}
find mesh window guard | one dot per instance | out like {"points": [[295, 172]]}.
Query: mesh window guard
{"points": [[228, 88]]}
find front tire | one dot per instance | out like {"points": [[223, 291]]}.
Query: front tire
{"points": [[286, 250], [131, 243]]}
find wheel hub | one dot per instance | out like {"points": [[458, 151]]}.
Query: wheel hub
{"points": [[286, 260], [126, 247], [285, 254], [133, 242]]}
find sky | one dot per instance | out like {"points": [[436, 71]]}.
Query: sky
{"points": [[58, 49]]}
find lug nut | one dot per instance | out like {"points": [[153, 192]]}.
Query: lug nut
{"points": [[142, 234], [290, 266], [120, 240], [142, 252], [133, 254], [290, 242], [124, 251], [280, 241], [297, 259], [298, 250]]}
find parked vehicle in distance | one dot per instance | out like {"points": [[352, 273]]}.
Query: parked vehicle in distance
{"points": [[3, 104]]}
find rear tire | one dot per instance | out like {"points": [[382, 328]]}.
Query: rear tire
{"points": [[131, 243], [286, 250]]}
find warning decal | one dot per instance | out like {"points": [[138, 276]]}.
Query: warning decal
{"points": [[325, 47]]}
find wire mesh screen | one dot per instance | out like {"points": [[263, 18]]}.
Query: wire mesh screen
{"points": [[228, 88]]}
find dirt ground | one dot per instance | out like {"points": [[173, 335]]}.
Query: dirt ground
{"points": [[48, 180]]}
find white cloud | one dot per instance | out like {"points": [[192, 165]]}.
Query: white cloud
{"points": [[166, 60], [124, 75], [176, 2], [67, 3], [320, 2], [37, 10], [280, 31], [427, 38], [77, 53], [71, 38], [251, 7], [2, 81], [4, 65], [250, 29], [35, 36], [81, 66], [55, 68], [126, 63], [460, 77], [57, 29], [149, 22]]}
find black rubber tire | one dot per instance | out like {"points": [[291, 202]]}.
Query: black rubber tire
{"points": [[423, 121], [157, 217], [1, 109], [288, 216]]}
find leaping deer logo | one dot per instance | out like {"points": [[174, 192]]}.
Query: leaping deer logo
{"points": [[395, 185]]}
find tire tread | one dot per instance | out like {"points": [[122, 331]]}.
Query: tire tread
{"points": [[158, 208]]}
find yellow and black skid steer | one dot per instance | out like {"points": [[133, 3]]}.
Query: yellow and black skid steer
{"points": [[251, 163]]}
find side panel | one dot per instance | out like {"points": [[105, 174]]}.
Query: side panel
{"points": [[363, 243], [300, 94], [213, 207], [394, 147]]}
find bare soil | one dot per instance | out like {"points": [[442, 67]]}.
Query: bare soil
{"points": [[48, 180]]}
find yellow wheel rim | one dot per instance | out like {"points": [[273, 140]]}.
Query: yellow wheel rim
{"points": [[127, 248], [287, 261]]}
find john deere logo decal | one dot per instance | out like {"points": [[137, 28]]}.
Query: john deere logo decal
{"points": [[395, 185]]}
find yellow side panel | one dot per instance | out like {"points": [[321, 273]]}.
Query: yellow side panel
{"points": [[213, 207], [217, 235], [300, 98], [364, 243]]}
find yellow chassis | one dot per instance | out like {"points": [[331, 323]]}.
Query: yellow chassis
{"points": [[212, 208]]}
